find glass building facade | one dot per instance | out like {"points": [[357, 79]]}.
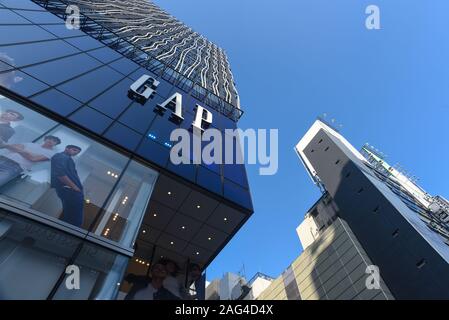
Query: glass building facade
{"points": [[65, 115]]}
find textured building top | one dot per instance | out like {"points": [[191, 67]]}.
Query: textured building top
{"points": [[163, 37]]}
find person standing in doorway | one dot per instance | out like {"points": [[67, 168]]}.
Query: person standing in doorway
{"points": [[65, 180]]}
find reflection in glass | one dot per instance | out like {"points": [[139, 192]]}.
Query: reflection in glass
{"points": [[100, 272], [31, 255], [122, 215], [51, 169]]}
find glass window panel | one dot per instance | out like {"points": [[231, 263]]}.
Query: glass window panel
{"points": [[25, 54], [57, 102], [154, 152], [40, 174], [21, 4], [122, 216], [142, 71], [21, 83], [237, 194], [33, 255], [39, 17], [124, 136], [91, 119], [236, 173], [101, 271], [105, 54], [62, 69], [124, 65], [161, 128], [92, 165], [85, 43], [22, 34], [209, 180], [91, 84], [184, 170], [140, 117], [62, 31], [113, 101], [9, 17]]}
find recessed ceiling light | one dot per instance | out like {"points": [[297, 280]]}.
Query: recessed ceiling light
{"points": [[183, 227], [169, 193], [155, 215], [144, 231], [210, 238], [225, 219], [109, 172], [197, 253], [172, 243], [198, 206]]}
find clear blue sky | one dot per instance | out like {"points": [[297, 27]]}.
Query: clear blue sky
{"points": [[295, 59]]}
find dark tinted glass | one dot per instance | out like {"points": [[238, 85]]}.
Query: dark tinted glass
{"points": [[23, 34], [115, 100], [20, 4], [9, 17], [57, 102], [124, 66], [91, 119], [61, 30], [105, 54], [40, 17], [21, 83], [84, 43], [139, 117], [209, 180], [25, 54], [91, 84], [63, 69], [123, 135]]}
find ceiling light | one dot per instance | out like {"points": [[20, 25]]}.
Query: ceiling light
{"points": [[209, 238], [183, 227], [144, 231], [198, 206], [155, 215], [109, 172], [225, 219], [197, 253], [169, 193], [172, 243]]}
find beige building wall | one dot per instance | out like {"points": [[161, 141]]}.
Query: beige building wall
{"points": [[332, 267]]}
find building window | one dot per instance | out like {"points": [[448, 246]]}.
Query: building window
{"points": [[47, 168]]}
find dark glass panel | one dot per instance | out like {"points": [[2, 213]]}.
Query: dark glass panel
{"points": [[115, 100], [25, 54], [57, 102], [40, 17], [22, 34], [91, 84], [62, 69], [123, 135], [91, 119]]}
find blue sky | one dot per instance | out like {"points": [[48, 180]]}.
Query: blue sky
{"points": [[293, 60]]}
